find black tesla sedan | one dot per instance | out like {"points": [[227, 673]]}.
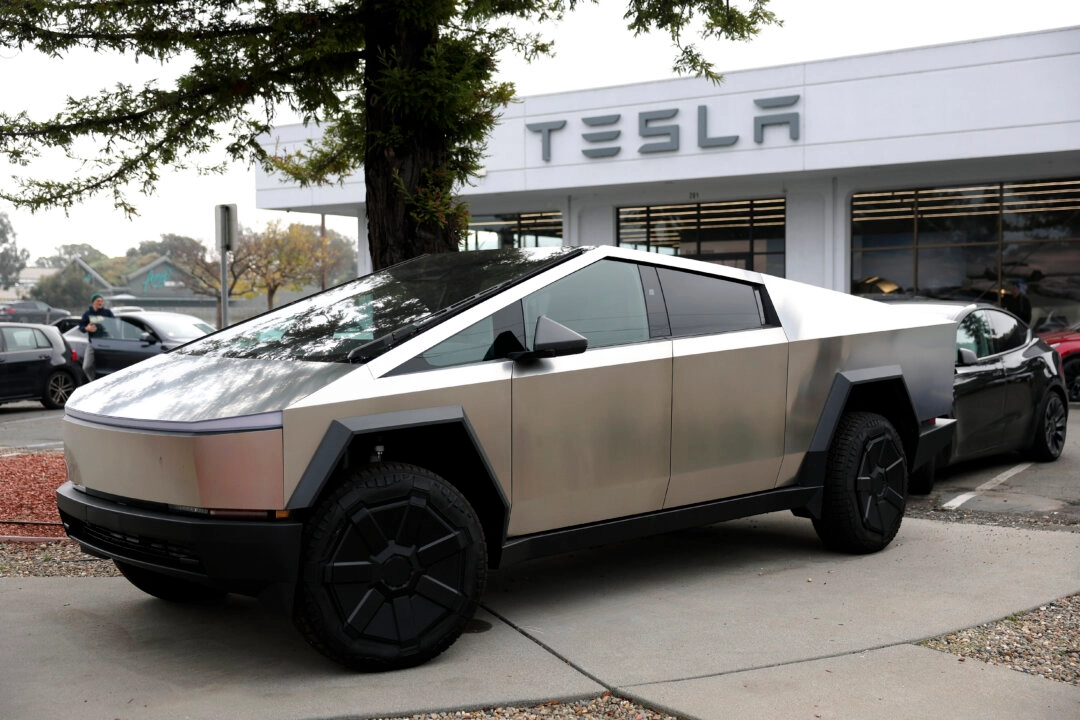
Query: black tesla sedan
{"points": [[1008, 391]]}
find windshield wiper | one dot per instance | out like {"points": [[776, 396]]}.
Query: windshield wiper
{"points": [[379, 345]]}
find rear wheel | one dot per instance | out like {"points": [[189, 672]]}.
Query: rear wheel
{"points": [[58, 388], [865, 491], [1072, 378], [394, 566], [167, 587], [1049, 439]]}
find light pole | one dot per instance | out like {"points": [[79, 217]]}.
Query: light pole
{"points": [[225, 228]]}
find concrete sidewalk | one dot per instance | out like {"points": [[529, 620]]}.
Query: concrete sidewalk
{"points": [[750, 618]]}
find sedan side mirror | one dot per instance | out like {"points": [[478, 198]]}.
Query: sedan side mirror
{"points": [[552, 340], [148, 338], [965, 356]]}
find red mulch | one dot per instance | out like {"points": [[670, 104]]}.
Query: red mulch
{"points": [[28, 494]]}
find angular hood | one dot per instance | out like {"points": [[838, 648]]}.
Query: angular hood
{"points": [[175, 388]]}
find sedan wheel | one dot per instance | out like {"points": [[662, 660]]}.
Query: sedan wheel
{"points": [[1049, 438], [58, 389], [394, 565], [865, 492], [1072, 378]]}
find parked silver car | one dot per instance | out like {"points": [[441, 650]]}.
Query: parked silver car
{"points": [[361, 457]]}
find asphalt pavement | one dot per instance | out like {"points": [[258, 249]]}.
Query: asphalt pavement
{"points": [[746, 619]]}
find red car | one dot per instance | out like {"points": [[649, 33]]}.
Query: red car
{"points": [[1067, 342]]}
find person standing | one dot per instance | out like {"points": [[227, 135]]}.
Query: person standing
{"points": [[90, 323], [1016, 301]]}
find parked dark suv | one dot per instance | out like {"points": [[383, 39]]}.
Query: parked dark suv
{"points": [[30, 311], [37, 364]]}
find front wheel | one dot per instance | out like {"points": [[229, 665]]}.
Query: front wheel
{"points": [[1049, 438], [865, 492], [167, 587], [393, 568]]}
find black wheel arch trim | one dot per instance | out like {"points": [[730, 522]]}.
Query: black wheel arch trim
{"points": [[921, 443], [335, 445]]}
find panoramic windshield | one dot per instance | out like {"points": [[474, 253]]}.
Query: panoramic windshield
{"points": [[368, 315]]}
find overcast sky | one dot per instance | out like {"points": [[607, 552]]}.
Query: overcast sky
{"points": [[593, 50]]}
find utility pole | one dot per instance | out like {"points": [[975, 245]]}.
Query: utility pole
{"points": [[226, 229], [322, 250]]}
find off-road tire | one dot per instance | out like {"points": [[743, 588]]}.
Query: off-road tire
{"points": [[865, 491], [58, 388], [1049, 438], [167, 587], [394, 564]]}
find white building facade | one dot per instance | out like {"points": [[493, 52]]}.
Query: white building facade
{"points": [[948, 170]]}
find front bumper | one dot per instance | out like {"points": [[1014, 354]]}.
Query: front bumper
{"points": [[256, 558]]}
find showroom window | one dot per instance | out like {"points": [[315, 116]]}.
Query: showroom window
{"points": [[514, 230], [985, 242], [747, 234]]}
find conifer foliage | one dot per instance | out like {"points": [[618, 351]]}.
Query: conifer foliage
{"points": [[405, 89]]}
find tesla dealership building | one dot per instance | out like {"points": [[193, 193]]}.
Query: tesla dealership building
{"points": [[948, 170]]}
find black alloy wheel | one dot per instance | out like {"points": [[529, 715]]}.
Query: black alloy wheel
{"points": [[1049, 438], [393, 568], [865, 493], [58, 388]]}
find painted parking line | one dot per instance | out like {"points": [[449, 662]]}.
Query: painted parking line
{"points": [[40, 418], [988, 485]]}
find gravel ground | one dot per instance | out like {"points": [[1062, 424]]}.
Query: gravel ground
{"points": [[1044, 641]]}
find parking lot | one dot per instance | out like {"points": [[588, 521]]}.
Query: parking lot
{"points": [[1012, 484], [753, 612]]}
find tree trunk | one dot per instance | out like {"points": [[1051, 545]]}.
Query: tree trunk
{"points": [[400, 144]]}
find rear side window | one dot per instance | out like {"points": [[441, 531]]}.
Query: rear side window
{"points": [[704, 304], [1007, 332], [973, 333], [24, 339]]}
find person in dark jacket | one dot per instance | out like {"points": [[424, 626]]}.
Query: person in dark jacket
{"points": [[91, 325], [1016, 301]]}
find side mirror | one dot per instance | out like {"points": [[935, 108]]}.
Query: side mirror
{"points": [[148, 338], [552, 340], [964, 356]]}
